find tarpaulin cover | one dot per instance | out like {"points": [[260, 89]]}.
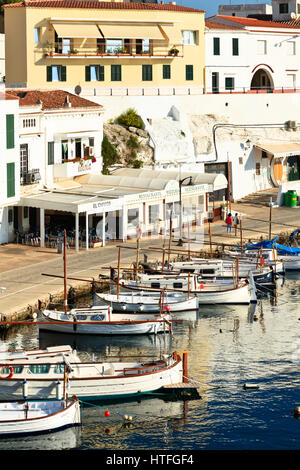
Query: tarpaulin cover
{"points": [[270, 244]]}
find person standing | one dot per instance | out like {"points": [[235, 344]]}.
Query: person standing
{"points": [[236, 222], [229, 221]]}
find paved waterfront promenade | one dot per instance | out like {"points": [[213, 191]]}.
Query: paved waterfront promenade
{"points": [[21, 267]]}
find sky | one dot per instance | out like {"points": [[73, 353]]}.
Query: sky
{"points": [[211, 6]]}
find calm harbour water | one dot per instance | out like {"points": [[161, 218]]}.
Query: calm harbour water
{"points": [[228, 347]]}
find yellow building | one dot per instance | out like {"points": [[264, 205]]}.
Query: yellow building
{"points": [[103, 44]]}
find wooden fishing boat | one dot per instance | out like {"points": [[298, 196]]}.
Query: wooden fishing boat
{"points": [[136, 303], [98, 320], [224, 269], [53, 372], [213, 292], [38, 417]]}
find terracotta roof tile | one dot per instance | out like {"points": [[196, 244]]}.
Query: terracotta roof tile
{"points": [[215, 25], [50, 99], [254, 22], [99, 5]]}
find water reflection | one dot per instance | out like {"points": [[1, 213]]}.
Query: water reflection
{"points": [[61, 440]]}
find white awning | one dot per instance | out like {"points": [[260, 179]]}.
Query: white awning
{"points": [[73, 30], [131, 31], [282, 150]]}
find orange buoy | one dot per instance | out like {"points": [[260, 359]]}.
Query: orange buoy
{"points": [[297, 411]]}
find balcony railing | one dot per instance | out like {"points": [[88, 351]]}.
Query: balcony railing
{"points": [[112, 49]]}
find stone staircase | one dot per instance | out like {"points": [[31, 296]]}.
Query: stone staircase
{"points": [[261, 198]]}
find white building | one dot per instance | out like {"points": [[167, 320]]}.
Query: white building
{"points": [[9, 165], [250, 55], [245, 9], [57, 136]]}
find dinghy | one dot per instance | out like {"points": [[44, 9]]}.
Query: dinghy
{"points": [[52, 372], [136, 303], [99, 321], [38, 417]]}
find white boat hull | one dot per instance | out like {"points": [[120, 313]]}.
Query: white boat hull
{"points": [[207, 293], [143, 303], [117, 325], [38, 417], [46, 378]]}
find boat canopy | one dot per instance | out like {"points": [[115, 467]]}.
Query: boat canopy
{"points": [[272, 244]]}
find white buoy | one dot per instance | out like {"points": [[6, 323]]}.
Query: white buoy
{"points": [[59, 390], [251, 386]]}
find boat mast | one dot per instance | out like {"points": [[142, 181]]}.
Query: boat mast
{"points": [[65, 273]]}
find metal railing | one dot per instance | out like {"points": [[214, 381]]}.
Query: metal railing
{"points": [[115, 49]]}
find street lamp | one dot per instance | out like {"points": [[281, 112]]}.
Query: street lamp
{"points": [[190, 183]]}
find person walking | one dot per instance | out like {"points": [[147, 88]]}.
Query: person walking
{"points": [[236, 222], [229, 221]]}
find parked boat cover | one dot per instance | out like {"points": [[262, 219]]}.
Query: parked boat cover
{"points": [[281, 249]]}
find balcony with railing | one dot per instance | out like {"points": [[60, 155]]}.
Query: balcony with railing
{"points": [[81, 164], [112, 49]]}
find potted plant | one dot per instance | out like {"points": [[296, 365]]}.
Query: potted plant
{"points": [[174, 51]]}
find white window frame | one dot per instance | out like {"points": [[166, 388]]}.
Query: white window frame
{"points": [[189, 39]]}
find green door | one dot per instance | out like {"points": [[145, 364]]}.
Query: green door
{"points": [[10, 172], [293, 168]]}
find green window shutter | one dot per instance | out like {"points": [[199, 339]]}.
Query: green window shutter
{"points": [[10, 131], [10, 173], [166, 71], [116, 74], [49, 73], [87, 73], [63, 73], [147, 73], [101, 73], [235, 46], [216, 46], [189, 72], [50, 153]]}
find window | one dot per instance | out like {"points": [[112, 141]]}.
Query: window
{"points": [[189, 72], [283, 8], [264, 154], [216, 46], [257, 167], [153, 213], [39, 368], [229, 83], [10, 173], [56, 73], [50, 153], [189, 37], [291, 47], [78, 147], [116, 73], [10, 216], [113, 46], [262, 46], [23, 161], [29, 123], [235, 46], [64, 151], [147, 73], [36, 34], [166, 71], [94, 73], [10, 131]]}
